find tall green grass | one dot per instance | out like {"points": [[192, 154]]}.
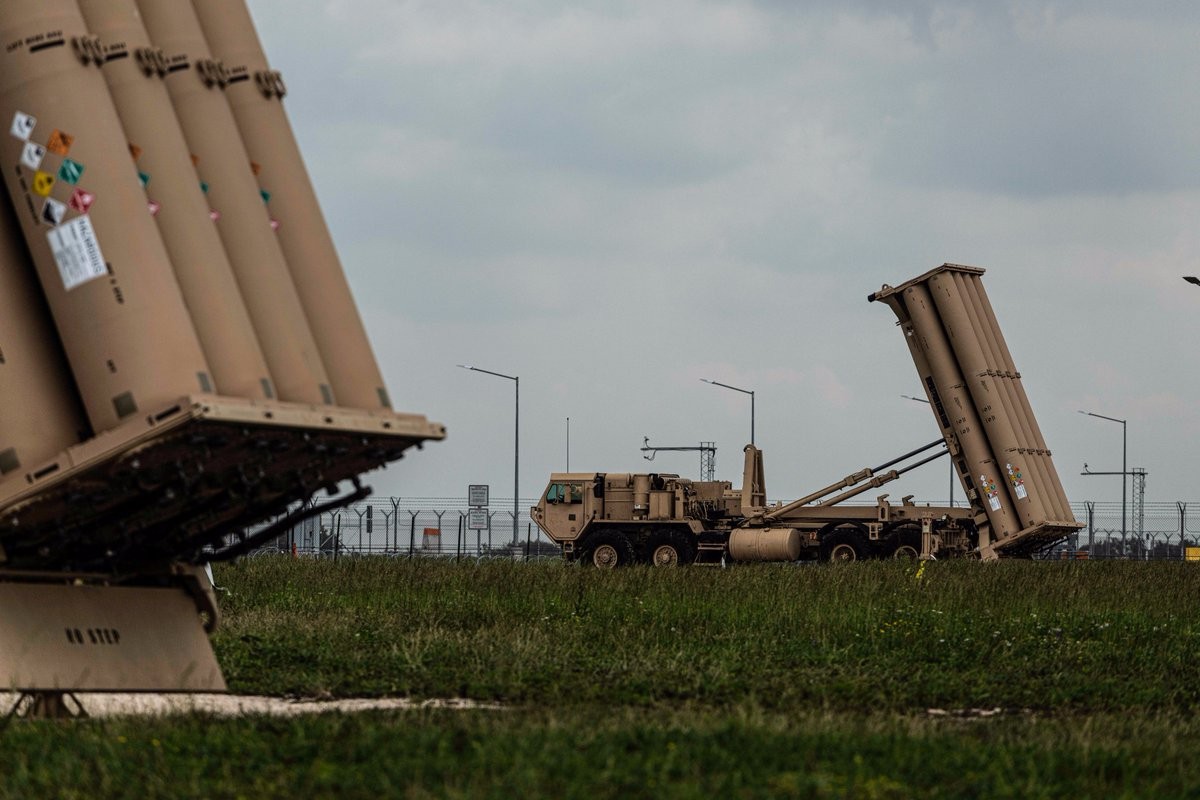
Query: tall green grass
{"points": [[758, 681], [596, 754], [878, 636]]}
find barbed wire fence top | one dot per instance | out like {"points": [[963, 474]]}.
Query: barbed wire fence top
{"points": [[439, 527]]}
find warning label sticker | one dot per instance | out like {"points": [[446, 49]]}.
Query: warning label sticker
{"points": [[989, 489], [23, 125], [82, 200], [53, 212], [32, 155], [43, 182], [77, 252], [60, 142], [1018, 481], [70, 171]]}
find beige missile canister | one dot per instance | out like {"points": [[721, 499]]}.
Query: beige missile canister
{"points": [[988, 392], [99, 258], [195, 83], [986, 478], [1055, 496], [40, 412], [255, 93], [135, 73]]}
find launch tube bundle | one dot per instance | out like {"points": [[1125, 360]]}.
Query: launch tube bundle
{"points": [[180, 355]]}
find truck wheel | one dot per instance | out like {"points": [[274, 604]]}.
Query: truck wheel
{"points": [[611, 550], [844, 544], [671, 550], [905, 543]]}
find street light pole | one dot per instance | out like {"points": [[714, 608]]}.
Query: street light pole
{"points": [[568, 444], [952, 476], [1124, 470], [516, 441], [743, 391]]}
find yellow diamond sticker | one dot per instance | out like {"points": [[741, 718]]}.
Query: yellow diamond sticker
{"points": [[43, 182]]}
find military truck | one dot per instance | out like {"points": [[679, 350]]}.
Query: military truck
{"points": [[1016, 502], [616, 519]]}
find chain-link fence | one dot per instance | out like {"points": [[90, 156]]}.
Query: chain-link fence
{"points": [[419, 526], [444, 527], [1145, 531]]}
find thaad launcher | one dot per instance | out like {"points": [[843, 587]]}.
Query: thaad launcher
{"points": [[181, 359], [1017, 504], [980, 405]]}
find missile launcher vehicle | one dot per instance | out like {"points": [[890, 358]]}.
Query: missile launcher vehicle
{"points": [[183, 371], [1016, 502]]}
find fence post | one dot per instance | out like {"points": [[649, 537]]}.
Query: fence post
{"points": [[439, 515], [1091, 522], [361, 513], [337, 534], [1182, 529], [412, 532], [458, 538], [395, 525]]}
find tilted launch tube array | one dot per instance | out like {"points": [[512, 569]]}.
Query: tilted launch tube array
{"points": [[977, 398], [256, 94], [216, 371]]}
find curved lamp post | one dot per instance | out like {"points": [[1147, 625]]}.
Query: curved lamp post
{"points": [[743, 391], [516, 440]]}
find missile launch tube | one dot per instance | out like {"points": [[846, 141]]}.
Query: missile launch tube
{"points": [[255, 94], [135, 72], [40, 412], [941, 414], [196, 83], [101, 263], [988, 393], [1007, 383], [986, 478], [1061, 503]]}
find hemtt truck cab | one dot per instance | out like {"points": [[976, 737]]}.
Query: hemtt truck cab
{"points": [[613, 519]]}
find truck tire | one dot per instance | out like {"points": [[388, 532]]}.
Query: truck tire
{"points": [[904, 543], [844, 544], [671, 549], [611, 550]]}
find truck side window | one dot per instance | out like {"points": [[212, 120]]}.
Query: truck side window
{"points": [[556, 493], [574, 493]]}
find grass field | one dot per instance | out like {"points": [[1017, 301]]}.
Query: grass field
{"points": [[960, 679]]}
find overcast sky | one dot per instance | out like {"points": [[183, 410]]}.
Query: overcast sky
{"points": [[615, 199]]}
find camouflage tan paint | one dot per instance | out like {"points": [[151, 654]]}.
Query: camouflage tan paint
{"points": [[100, 260], [255, 94], [135, 72]]}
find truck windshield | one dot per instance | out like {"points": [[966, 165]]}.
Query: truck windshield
{"points": [[565, 493]]}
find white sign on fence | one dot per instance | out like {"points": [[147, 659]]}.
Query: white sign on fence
{"points": [[477, 495], [477, 519]]}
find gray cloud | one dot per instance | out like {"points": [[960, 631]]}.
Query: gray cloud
{"points": [[616, 199]]}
